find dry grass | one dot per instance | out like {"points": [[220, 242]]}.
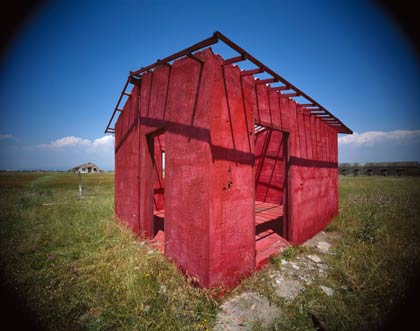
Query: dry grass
{"points": [[372, 264], [76, 268]]}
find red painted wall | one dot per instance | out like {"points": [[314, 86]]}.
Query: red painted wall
{"points": [[314, 180], [312, 172], [232, 226], [202, 114], [126, 164], [208, 185]]}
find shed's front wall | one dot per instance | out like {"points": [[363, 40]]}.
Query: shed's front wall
{"points": [[208, 185], [232, 227]]}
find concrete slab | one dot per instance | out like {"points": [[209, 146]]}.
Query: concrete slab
{"points": [[244, 311]]}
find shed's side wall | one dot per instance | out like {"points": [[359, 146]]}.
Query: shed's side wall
{"points": [[126, 164], [314, 178], [313, 174]]}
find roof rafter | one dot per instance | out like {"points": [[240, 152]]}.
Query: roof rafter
{"points": [[135, 76]]}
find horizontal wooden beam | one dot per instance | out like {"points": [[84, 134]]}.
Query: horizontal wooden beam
{"points": [[307, 105], [206, 42], [134, 81], [289, 95], [265, 81], [279, 88], [251, 72], [234, 60]]}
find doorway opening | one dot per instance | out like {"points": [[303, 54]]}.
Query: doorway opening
{"points": [[271, 178], [157, 153]]}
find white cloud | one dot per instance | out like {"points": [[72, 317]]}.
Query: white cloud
{"points": [[6, 136], [380, 146], [66, 152], [60, 154], [75, 143], [105, 141], [370, 138], [66, 142]]}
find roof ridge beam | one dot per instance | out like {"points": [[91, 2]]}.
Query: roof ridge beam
{"points": [[244, 56], [204, 43]]}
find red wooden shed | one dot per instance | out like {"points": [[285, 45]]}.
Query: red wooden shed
{"points": [[220, 167]]}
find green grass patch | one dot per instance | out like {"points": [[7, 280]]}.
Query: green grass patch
{"points": [[76, 268], [371, 265]]}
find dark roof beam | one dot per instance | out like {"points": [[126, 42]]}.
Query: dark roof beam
{"points": [[265, 81], [116, 107], [243, 54], [249, 57], [251, 72], [289, 95], [191, 56], [206, 42], [280, 88], [134, 81], [234, 60]]}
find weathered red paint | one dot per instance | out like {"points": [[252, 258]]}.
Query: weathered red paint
{"points": [[126, 164], [230, 197]]}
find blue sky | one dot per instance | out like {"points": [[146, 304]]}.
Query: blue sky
{"points": [[63, 73]]}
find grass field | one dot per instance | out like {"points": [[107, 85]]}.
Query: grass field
{"points": [[73, 267]]}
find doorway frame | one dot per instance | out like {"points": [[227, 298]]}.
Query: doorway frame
{"points": [[287, 181], [148, 180]]}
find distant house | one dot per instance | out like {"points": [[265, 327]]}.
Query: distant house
{"points": [[380, 169], [87, 168]]}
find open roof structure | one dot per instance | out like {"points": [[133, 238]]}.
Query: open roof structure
{"points": [[286, 89]]}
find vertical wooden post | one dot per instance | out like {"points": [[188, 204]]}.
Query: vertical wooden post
{"points": [[80, 184]]}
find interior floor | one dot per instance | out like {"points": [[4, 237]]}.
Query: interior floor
{"points": [[268, 230], [159, 230]]}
